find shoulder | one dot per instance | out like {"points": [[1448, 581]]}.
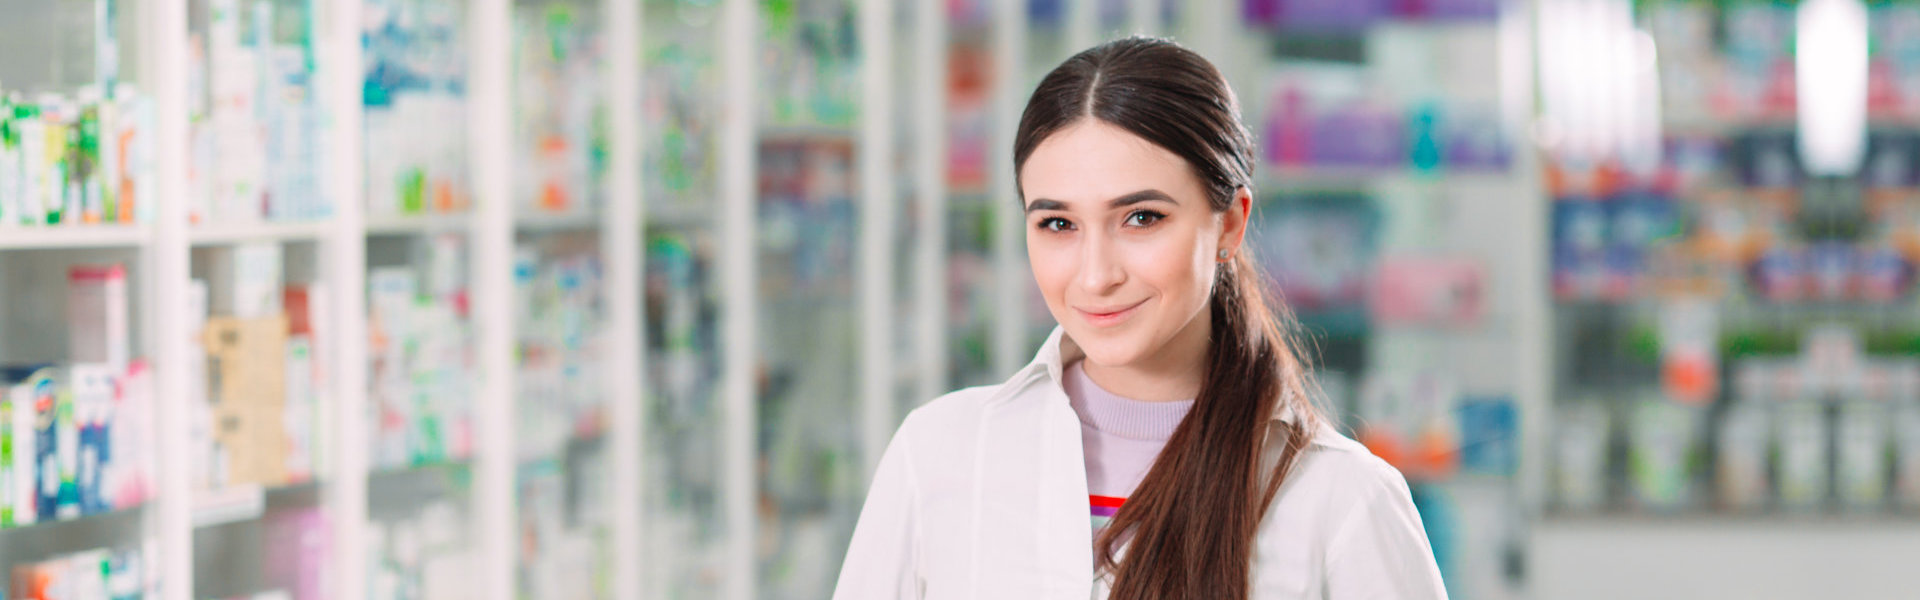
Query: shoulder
{"points": [[945, 421], [1338, 476]]}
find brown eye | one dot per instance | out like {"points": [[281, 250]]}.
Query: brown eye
{"points": [[1144, 218], [1054, 224]]}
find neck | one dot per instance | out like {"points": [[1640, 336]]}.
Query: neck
{"points": [[1173, 374]]}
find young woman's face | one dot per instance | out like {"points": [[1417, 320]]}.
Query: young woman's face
{"points": [[1123, 241]]}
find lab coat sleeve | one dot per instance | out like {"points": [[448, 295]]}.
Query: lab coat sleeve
{"points": [[883, 559], [1380, 552]]}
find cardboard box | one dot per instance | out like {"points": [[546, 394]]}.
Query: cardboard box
{"points": [[253, 441], [246, 365]]}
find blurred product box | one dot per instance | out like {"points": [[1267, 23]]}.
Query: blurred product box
{"points": [[90, 575], [97, 327], [1580, 456], [247, 365], [1804, 454], [1661, 444], [1432, 291]]}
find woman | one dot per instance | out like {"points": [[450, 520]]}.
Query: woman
{"points": [[1169, 398]]}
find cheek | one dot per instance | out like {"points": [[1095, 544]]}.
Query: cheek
{"points": [[1052, 267], [1178, 268]]}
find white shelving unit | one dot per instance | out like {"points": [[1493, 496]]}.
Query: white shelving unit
{"points": [[16, 237], [165, 250]]}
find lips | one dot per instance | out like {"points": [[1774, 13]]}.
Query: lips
{"points": [[1110, 315]]}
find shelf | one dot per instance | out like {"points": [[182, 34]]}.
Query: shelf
{"points": [[20, 237], [679, 214], [806, 131], [556, 222], [1290, 178], [249, 502], [218, 234], [1722, 557], [396, 492], [419, 224], [40, 541]]}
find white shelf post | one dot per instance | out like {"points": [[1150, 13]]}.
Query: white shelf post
{"points": [[1009, 333], [346, 274], [930, 177], [491, 127], [620, 238], [738, 116], [877, 197], [173, 503]]}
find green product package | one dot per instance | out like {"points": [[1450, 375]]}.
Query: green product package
{"points": [[6, 459]]}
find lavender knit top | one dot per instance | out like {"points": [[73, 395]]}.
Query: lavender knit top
{"points": [[1121, 438]]}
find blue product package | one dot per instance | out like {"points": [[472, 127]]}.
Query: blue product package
{"points": [[46, 434], [1830, 271], [1778, 274], [1893, 160], [1643, 218], [95, 455], [1580, 224], [1423, 136], [1489, 435]]}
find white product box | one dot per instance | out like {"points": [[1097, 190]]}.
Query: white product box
{"points": [[1863, 436], [1804, 454], [1745, 433], [298, 418], [97, 327], [245, 280], [92, 386]]}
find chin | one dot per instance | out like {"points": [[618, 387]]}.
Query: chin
{"points": [[1110, 349]]}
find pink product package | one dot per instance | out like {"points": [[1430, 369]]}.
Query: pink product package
{"points": [[1447, 292]]}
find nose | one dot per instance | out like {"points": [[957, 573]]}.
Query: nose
{"points": [[1101, 269]]}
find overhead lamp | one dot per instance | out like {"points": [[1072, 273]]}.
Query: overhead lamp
{"points": [[1830, 78]]}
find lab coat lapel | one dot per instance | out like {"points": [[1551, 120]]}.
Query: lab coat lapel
{"points": [[1032, 453]]}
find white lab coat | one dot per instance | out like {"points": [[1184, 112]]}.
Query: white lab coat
{"points": [[983, 494]]}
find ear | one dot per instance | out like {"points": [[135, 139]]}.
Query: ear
{"points": [[1233, 222]]}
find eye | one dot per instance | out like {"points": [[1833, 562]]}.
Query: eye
{"points": [[1144, 218], [1055, 224]]}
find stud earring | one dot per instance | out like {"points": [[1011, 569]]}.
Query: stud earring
{"points": [[1223, 255]]}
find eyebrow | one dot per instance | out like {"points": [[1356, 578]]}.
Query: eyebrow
{"points": [[1147, 195]]}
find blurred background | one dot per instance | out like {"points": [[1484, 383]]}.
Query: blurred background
{"points": [[559, 299]]}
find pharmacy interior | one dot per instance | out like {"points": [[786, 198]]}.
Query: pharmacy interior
{"points": [[391, 299]]}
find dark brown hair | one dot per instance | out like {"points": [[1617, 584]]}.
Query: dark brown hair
{"points": [[1190, 525]]}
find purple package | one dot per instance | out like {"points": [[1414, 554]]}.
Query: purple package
{"points": [[1461, 10], [1261, 12], [1336, 14], [1358, 137], [1474, 141], [296, 546]]}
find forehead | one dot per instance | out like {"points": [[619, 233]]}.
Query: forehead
{"points": [[1094, 161]]}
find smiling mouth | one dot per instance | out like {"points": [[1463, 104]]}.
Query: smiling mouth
{"points": [[1106, 317]]}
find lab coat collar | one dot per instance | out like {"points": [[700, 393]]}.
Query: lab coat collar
{"points": [[1049, 366]]}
